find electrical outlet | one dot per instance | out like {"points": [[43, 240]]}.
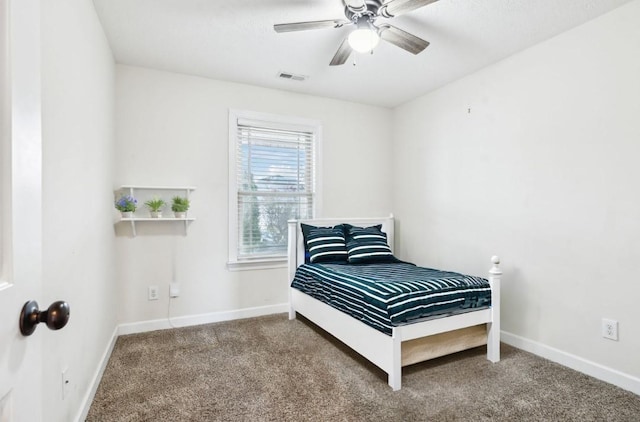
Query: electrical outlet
{"points": [[174, 289], [153, 293], [65, 384], [610, 329]]}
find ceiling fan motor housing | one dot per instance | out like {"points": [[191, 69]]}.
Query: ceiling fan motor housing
{"points": [[371, 11]]}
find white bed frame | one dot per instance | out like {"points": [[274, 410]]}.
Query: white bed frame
{"points": [[410, 343]]}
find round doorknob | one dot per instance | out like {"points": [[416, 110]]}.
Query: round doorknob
{"points": [[56, 316]]}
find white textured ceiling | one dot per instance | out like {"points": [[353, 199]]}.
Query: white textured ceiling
{"points": [[234, 40]]}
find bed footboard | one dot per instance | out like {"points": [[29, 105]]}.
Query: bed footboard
{"points": [[493, 327]]}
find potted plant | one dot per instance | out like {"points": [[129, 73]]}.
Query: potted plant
{"points": [[155, 206], [180, 206], [126, 204]]}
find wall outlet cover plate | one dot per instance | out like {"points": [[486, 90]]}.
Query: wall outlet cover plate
{"points": [[174, 289]]}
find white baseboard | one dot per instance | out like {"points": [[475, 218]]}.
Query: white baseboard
{"points": [[85, 405], [189, 320], [601, 372]]}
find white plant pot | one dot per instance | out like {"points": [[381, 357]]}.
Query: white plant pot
{"points": [[127, 214], [156, 214], [179, 214]]}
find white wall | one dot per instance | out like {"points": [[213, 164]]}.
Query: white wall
{"points": [[172, 129], [536, 159], [78, 86]]}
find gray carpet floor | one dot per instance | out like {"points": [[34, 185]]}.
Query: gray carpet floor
{"points": [[273, 369]]}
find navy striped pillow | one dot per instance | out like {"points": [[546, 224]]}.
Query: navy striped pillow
{"points": [[324, 244], [367, 245]]}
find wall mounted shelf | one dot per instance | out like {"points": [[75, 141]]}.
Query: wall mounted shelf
{"points": [[144, 193]]}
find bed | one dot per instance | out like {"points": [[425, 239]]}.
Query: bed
{"points": [[397, 343]]}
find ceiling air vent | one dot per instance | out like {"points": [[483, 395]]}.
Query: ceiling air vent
{"points": [[292, 76]]}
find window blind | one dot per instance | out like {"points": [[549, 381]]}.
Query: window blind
{"points": [[275, 183]]}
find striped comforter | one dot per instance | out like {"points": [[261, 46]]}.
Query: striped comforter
{"points": [[391, 294]]}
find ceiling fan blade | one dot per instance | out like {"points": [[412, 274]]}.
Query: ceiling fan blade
{"points": [[343, 53], [402, 39], [356, 5], [399, 7], [303, 26]]}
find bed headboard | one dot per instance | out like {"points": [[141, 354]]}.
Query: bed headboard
{"points": [[296, 240]]}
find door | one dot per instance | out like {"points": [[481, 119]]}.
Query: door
{"points": [[21, 357]]}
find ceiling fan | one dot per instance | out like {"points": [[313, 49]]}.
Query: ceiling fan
{"points": [[365, 36]]}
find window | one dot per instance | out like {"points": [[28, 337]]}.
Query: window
{"points": [[273, 164]]}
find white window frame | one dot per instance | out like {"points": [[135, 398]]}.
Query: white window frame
{"points": [[286, 122]]}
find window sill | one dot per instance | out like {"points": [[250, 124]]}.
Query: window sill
{"points": [[257, 264]]}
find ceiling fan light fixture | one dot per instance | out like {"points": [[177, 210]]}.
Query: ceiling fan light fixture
{"points": [[364, 38]]}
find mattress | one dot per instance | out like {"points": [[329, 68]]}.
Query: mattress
{"points": [[384, 295]]}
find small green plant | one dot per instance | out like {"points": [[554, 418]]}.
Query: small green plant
{"points": [[179, 204], [126, 203], [155, 204]]}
